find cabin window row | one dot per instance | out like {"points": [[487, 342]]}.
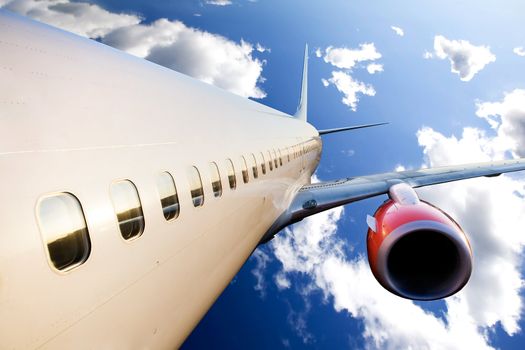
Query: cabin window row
{"points": [[63, 224]]}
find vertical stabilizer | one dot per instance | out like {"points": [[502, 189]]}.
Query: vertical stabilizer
{"points": [[303, 102]]}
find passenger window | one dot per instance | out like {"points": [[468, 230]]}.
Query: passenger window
{"points": [[231, 174], [275, 159], [64, 230], [280, 157], [127, 205], [263, 164], [270, 163], [197, 193], [254, 167], [288, 153], [169, 200], [245, 177], [216, 183]]}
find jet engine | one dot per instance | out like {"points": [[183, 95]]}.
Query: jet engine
{"points": [[416, 250]]}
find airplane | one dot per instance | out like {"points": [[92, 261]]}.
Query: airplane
{"points": [[131, 195]]}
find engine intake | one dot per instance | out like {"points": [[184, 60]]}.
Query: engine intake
{"points": [[416, 250]]}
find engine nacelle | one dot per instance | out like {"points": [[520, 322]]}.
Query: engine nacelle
{"points": [[416, 250]]}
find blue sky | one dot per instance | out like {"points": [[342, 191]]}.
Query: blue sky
{"points": [[310, 287]]}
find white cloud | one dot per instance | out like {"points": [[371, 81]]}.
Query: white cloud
{"points": [[78, 17], [282, 281], [400, 167], [490, 210], [398, 30], [508, 118], [345, 58], [261, 48], [206, 56], [349, 87], [219, 2], [261, 260], [373, 68], [428, 55], [520, 51], [466, 60]]}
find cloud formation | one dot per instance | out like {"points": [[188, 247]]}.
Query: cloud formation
{"points": [[398, 30], [349, 87], [520, 51], [373, 68], [346, 60], [78, 17], [209, 57], [342, 57], [466, 60], [261, 260], [489, 210], [219, 2], [507, 117]]}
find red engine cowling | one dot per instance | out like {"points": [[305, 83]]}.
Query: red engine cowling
{"points": [[415, 250]]}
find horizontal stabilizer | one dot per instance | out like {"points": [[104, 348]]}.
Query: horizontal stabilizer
{"points": [[330, 131]]}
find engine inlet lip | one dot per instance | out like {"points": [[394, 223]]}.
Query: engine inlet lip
{"points": [[452, 233]]}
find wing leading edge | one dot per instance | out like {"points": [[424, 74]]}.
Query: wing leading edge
{"points": [[315, 198]]}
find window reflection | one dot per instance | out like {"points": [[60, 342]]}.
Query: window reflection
{"points": [[254, 167], [64, 229], [231, 174], [127, 205], [245, 177], [216, 183], [169, 199], [263, 164], [197, 193]]}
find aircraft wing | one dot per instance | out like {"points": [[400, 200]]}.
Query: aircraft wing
{"points": [[314, 198]]}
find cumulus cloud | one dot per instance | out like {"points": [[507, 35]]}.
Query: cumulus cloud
{"points": [[466, 60], [520, 51], [342, 57], [489, 210], [346, 60], [373, 68], [507, 117], [219, 2], [209, 57], [78, 17], [398, 30], [349, 87]]}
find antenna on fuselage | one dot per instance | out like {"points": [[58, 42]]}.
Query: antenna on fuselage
{"points": [[303, 102]]}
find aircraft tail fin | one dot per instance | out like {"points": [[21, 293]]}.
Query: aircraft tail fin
{"points": [[301, 113]]}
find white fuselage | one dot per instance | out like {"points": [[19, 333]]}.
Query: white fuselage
{"points": [[76, 116]]}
